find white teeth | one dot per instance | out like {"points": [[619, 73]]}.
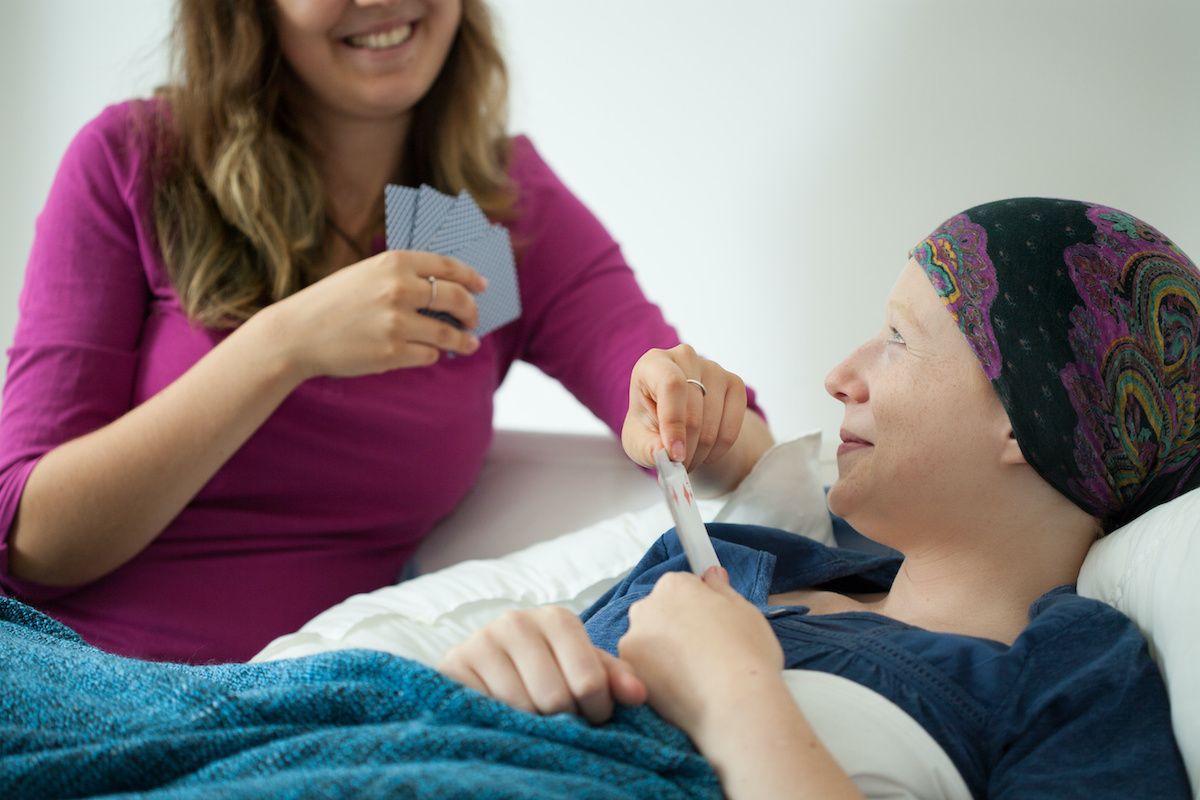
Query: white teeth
{"points": [[379, 41]]}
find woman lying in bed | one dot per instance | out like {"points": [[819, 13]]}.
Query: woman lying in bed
{"points": [[991, 446], [1085, 323]]}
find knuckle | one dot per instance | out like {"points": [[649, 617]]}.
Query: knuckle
{"points": [[561, 615], [514, 621], [554, 701], [488, 637], [396, 294], [673, 381], [395, 323], [651, 355], [452, 661], [591, 684]]}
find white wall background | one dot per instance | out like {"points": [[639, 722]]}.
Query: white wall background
{"points": [[765, 164]]}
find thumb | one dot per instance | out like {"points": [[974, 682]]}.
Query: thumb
{"points": [[624, 684], [717, 579]]}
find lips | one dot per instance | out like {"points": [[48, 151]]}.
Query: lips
{"points": [[850, 438], [851, 442]]}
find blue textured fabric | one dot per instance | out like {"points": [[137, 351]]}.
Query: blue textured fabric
{"points": [[1075, 707], [77, 722]]}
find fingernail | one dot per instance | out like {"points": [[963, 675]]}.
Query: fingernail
{"points": [[678, 451], [474, 341], [483, 282]]}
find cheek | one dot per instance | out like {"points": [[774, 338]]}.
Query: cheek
{"points": [[303, 30], [918, 428], [307, 17], [444, 19]]}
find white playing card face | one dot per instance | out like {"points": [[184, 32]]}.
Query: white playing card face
{"points": [[491, 256], [462, 223], [432, 207], [399, 203], [689, 525]]}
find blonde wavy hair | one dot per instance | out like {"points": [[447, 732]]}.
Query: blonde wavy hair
{"points": [[239, 205]]}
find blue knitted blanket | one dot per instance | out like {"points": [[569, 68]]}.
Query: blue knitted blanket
{"points": [[77, 722]]}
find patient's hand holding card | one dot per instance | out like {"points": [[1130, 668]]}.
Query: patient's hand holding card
{"points": [[689, 525]]}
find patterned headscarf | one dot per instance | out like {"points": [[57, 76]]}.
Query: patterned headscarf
{"points": [[1087, 322]]}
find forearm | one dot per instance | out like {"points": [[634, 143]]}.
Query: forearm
{"points": [[761, 746], [711, 480], [93, 503]]}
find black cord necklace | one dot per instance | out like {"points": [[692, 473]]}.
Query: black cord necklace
{"points": [[359, 252]]}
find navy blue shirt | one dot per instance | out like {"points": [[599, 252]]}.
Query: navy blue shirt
{"points": [[1074, 707]]}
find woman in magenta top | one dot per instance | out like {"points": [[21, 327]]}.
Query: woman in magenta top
{"points": [[223, 411]]}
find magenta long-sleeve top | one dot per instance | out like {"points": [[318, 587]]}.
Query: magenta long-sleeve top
{"points": [[332, 494]]}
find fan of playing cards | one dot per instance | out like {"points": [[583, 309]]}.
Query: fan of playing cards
{"points": [[426, 219]]}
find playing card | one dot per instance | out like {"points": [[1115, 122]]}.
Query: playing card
{"points": [[426, 219], [491, 256], [432, 207], [462, 223], [689, 526], [399, 203]]}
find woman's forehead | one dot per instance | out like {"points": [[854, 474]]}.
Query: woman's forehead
{"points": [[914, 300]]}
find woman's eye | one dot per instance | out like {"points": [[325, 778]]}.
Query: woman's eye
{"points": [[895, 338]]}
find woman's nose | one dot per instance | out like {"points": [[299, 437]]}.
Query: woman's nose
{"points": [[846, 382]]}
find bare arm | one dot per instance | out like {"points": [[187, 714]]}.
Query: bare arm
{"points": [[94, 502], [761, 746]]}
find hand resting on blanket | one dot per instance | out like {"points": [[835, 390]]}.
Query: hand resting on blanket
{"points": [[541, 660], [696, 650]]}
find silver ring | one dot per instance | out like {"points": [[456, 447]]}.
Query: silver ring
{"points": [[699, 385], [432, 293]]}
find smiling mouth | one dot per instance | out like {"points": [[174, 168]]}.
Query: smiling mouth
{"points": [[383, 39]]}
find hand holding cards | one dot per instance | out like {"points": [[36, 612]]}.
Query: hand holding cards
{"points": [[426, 219], [689, 526]]}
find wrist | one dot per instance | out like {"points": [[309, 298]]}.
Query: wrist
{"points": [[269, 345], [736, 713]]}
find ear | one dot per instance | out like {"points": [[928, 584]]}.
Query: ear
{"points": [[1011, 454]]}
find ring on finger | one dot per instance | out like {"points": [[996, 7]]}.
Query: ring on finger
{"points": [[698, 385], [432, 292]]}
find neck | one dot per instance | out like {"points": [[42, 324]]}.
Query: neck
{"points": [[357, 158], [982, 583]]}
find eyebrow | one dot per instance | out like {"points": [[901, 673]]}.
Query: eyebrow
{"points": [[905, 312]]}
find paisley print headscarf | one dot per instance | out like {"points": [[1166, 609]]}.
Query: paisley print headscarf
{"points": [[1087, 322]]}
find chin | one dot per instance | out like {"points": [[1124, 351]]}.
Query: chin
{"points": [[836, 500]]}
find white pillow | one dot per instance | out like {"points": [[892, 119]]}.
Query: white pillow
{"points": [[1147, 570], [784, 491]]}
